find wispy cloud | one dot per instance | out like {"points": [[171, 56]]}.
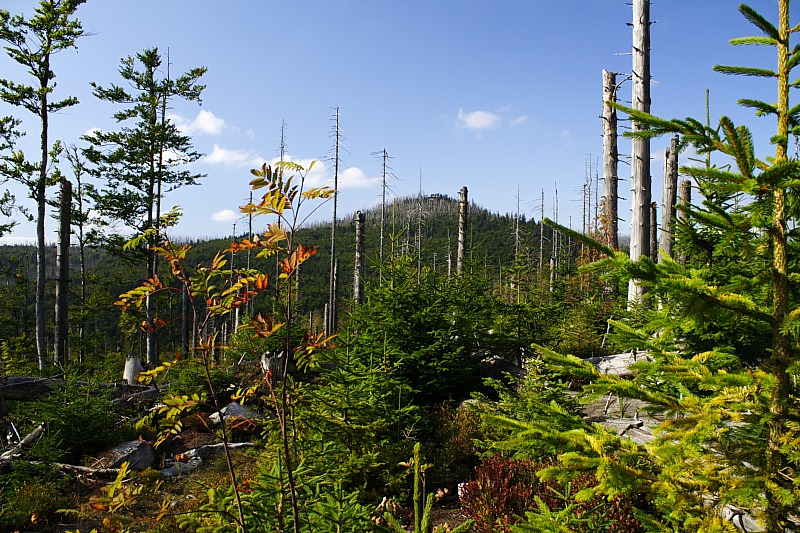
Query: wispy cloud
{"points": [[477, 120], [319, 175], [225, 215], [518, 121], [205, 122], [355, 178], [233, 158]]}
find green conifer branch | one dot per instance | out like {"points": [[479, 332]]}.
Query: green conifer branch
{"points": [[759, 21], [745, 71]]}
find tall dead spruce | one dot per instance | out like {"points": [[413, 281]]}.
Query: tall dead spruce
{"points": [[640, 163], [670, 197], [62, 265], [358, 271], [463, 213], [331, 318], [610, 161]]}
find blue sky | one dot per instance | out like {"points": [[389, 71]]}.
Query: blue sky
{"points": [[500, 96]]}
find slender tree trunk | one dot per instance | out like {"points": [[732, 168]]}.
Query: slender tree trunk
{"points": [[41, 214], [187, 322], [463, 214], [419, 229], [653, 231], [669, 198], [383, 213], [82, 324], [541, 242], [358, 271], [62, 287], [777, 513], [82, 252], [330, 325], [152, 222], [640, 180], [610, 161], [684, 200], [555, 259]]}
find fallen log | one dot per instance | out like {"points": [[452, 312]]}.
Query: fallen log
{"points": [[193, 461], [24, 443], [111, 472], [7, 465], [145, 397], [26, 388]]}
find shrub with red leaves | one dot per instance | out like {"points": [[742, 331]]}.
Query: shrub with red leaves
{"points": [[504, 489]]}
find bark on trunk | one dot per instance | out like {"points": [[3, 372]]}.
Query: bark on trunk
{"points": [[610, 162], [330, 324], [653, 231], [684, 200], [640, 180], [358, 271], [41, 214], [463, 214], [778, 511], [669, 199], [62, 288]]}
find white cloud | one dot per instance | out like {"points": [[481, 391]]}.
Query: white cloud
{"points": [[92, 131], [233, 158], [478, 120], [226, 215], [319, 176], [355, 178], [519, 120], [205, 122]]}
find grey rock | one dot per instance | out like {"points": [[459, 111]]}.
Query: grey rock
{"points": [[235, 410], [182, 468], [138, 454]]}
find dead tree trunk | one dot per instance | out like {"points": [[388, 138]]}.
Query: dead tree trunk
{"points": [[385, 157], [610, 162], [332, 312], [685, 200], [463, 213], [640, 180], [358, 270], [541, 242], [62, 287], [330, 325], [187, 322], [653, 231], [670, 197]]}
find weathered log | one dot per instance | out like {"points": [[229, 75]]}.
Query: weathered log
{"points": [[24, 443], [147, 397], [8, 464], [27, 388], [111, 472]]}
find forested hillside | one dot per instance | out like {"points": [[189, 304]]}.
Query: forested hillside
{"points": [[426, 366], [493, 241]]}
